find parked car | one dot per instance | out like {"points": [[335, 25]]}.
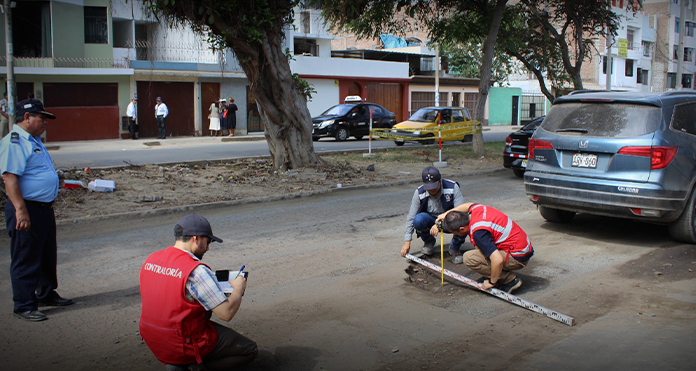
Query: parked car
{"points": [[352, 119], [515, 152], [426, 118], [630, 155]]}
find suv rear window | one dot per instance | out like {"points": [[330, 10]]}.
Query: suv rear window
{"points": [[603, 119]]}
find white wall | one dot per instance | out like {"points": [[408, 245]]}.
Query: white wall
{"points": [[325, 97], [348, 67]]}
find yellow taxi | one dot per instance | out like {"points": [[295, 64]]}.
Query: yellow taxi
{"points": [[455, 125]]}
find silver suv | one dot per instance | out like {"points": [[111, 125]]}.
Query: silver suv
{"points": [[630, 155]]}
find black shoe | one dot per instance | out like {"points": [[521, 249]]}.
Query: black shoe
{"points": [[511, 286], [56, 302], [31, 315], [481, 280]]}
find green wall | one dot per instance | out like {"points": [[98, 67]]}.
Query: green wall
{"points": [[68, 30], [500, 105]]}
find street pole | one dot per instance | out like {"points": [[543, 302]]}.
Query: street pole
{"points": [[609, 59], [680, 51], [437, 75], [10, 63]]}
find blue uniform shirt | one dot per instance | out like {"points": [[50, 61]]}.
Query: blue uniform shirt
{"points": [[27, 158]]}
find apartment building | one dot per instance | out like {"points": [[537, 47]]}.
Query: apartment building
{"points": [[86, 59]]}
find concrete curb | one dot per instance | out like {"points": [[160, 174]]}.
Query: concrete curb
{"points": [[221, 204]]}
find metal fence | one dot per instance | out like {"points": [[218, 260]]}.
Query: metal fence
{"points": [[532, 105], [66, 62]]}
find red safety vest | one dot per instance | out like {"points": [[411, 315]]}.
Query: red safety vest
{"points": [[508, 236], [175, 329]]}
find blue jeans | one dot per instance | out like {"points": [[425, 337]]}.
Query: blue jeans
{"points": [[422, 223]]}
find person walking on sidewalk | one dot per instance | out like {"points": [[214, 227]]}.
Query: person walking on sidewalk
{"points": [[161, 113], [501, 245], [214, 117], [231, 117], [432, 198], [132, 113], [4, 118], [31, 184], [178, 293]]}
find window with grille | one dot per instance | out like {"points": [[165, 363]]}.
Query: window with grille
{"points": [[96, 25]]}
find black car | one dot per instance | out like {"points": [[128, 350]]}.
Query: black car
{"points": [[515, 153], [351, 119]]}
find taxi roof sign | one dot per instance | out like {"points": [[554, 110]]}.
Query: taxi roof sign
{"points": [[352, 99]]}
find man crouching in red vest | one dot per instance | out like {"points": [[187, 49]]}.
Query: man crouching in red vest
{"points": [[501, 245], [177, 292]]}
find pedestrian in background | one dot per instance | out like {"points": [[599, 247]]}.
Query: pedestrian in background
{"points": [[31, 183], [4, 118], [132, 112], [223, 115], [161, 113], [214, 117], [231, 117]]}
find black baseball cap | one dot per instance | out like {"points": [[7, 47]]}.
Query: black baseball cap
{"points": [[431, 178], [196, 225], [32, 106]]}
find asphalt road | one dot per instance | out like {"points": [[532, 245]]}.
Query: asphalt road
{"points": [[327, 291], [108, 153]]}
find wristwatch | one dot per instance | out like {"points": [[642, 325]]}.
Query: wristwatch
{"points": [[492, 283]]}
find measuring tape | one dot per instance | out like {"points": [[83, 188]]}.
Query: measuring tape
{"points": [[570, 321]]}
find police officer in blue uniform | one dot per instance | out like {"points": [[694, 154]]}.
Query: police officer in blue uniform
{"points": [[31, 184]]}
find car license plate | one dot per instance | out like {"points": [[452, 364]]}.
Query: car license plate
{"points": [[585, 160], [524, 163]]}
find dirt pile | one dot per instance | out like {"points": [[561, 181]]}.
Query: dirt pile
{"points": [[149, 187]]}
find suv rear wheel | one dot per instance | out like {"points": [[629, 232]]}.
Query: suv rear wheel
{"points": [[684, 228], [556, 215]]}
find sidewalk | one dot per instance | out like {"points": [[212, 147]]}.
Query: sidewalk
{"points": [[126, 144], [121, 144]]}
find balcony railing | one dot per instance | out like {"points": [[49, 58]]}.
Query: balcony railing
{"points": [[176, 52], [60, 62]]}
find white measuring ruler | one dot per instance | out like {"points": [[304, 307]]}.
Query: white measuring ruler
{"points": [[570, 321]]}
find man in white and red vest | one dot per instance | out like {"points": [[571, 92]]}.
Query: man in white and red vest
{"points": [[501, 245], [178, 292]]}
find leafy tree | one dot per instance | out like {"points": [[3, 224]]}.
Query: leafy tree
{"points": [[254, 31], [465, 61], [552, 38], [371, 18]]}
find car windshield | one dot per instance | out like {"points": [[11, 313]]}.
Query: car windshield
{"points": [[338, 110], [534, 124], [602, 119], [425, 115]]}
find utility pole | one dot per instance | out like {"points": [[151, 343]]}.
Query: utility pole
{"points": [[610, 62], [7, 6], [680, 51], [437, 75]]}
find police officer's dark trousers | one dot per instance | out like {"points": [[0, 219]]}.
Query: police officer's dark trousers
{"points": [[34, 257]]}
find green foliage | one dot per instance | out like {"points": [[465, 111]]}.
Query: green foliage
{"points": [[465, 61], [303, 86]]}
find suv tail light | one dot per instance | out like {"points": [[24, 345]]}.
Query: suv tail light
{"points": [[660, 157], [508, 141], [536, 143]]}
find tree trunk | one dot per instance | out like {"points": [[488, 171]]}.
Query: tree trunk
{"points": [[283, 109], [486, 72]]}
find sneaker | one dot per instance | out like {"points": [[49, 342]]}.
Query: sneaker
{"points": [[428, 248], [176, 368], [511, 286], [481, 280], [458, 259]]}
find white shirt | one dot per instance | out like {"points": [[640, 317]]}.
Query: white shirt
{"points": [[161, 109], [130, 111]]}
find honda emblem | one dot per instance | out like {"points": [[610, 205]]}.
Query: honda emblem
{"points": [[584, 143]]}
